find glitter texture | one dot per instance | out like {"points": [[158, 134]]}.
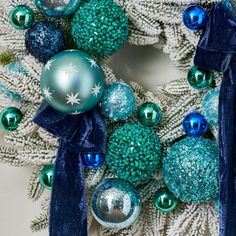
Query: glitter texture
{"points": [[43, 40], [115, 203], [118, 101], [210, 103], [190, 169], [100, 27], [133, 152]]}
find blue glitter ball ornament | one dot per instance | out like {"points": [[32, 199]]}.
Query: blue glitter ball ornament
{"points": [[133, 152], [195, 17], [195, 124], [210, 104], [92, 160], [191, 168], [57, 8], [43, 40], [100, 27], [118, 101], [115, 203]]}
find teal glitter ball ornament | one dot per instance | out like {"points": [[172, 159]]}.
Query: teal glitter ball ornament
{"points": [[21, 17], [149, 114], [116, 203], [118, 101], [200, 78], [164, 200], [72, 82], [57, 8], [210, 105], [133, 152], [46, 177], [10, 117], [100, 27], [191, 168]]}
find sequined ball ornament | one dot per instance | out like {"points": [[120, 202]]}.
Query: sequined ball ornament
{"points": [[195, 17], [191, 169], [115, 203], [100, 28], [57, 8], [10, 117], [118, 101], [43, 40], [72, 82], [21, 17], [46, 177], [133, 152]]}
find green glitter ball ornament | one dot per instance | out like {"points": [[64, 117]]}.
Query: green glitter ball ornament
{"points": [[199, 78], [191, 168], [100, 27], [133, 152], [164, 200], [10, 118], [21, 17], [46, 177]]}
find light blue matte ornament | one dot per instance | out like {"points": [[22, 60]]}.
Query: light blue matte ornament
{"points": [[72, 82], [92, 160], [209, 105], [115, 203], [57, 8], [118, 101]]}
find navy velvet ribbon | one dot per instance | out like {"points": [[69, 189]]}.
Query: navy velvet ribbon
{"points": [[217, 51], [77, 134]]}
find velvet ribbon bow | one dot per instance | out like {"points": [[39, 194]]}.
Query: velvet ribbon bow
{"points": [[217, 51], [77, 134]]}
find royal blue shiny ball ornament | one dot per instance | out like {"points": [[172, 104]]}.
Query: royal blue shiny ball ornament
{"points": [[72, 82], [191, 169], [195, 17], [195, 124], [57, 8], [92, 160], [115, 203], [118, 101], [43, 40]]}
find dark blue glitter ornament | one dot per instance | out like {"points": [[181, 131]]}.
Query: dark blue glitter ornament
{"points": [[195, 17], [92, 160], [43, 40], [195, 124]]}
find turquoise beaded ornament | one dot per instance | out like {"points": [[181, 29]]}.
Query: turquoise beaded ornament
{"points": [[133, 152], [100, 27], [190, 169]]}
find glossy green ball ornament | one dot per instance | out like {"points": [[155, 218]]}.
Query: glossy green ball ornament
{"points": [[199, 78], [10, 118], [72, 82], [46, 177], [21, 17], [164, 200], [149, 114]]}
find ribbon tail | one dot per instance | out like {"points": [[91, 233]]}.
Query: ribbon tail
{"points": [[68, 213]]}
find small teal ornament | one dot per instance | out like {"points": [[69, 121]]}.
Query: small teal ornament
{"points": [[195, 17], [100, 27], [164, 200], [57, 8], [149, 114], [191, 169], [21, 17], [217, 205], [92, 160], [10, 118], [210, 104], [115, 203], [195, 124], [118, 101], [72, 82], [46, 177], [133, 152]]}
